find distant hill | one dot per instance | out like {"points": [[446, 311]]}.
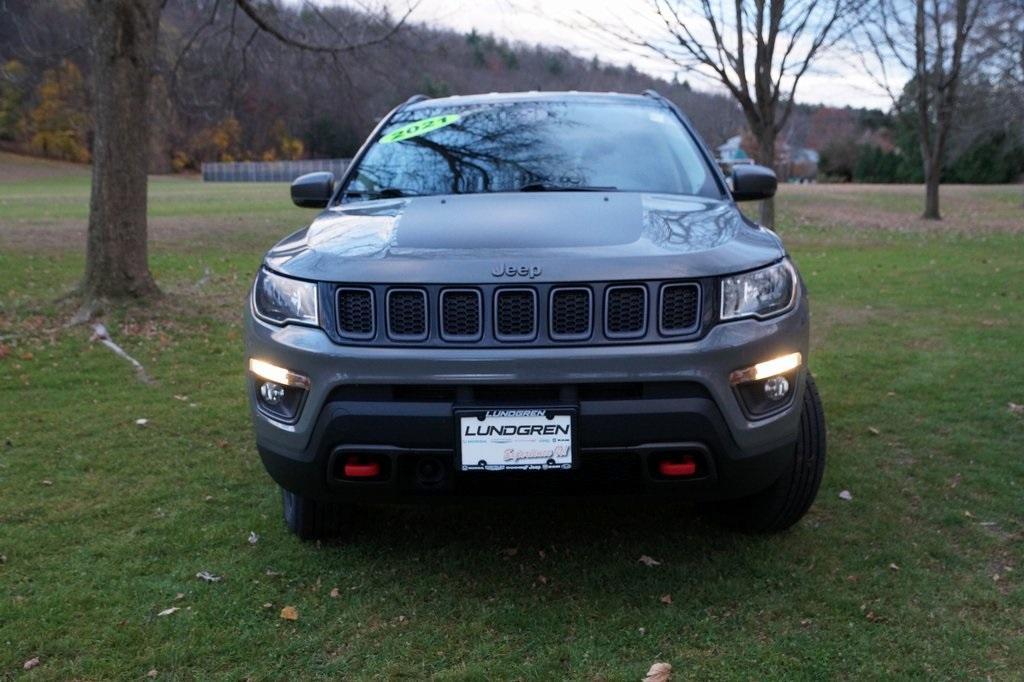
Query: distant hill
{"points": [[227, 93]]}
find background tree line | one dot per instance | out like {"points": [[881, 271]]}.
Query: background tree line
{"points": [[225, 91]]}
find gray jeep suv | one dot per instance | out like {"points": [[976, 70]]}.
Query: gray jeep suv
{"points": [[532, 293]]}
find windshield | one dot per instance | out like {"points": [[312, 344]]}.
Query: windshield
{"points": [[533, 146]]}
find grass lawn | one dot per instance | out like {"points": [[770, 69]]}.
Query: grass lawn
{"points": [[104, 524]]}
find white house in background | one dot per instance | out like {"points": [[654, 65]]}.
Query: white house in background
{"points": [[731, 152]]}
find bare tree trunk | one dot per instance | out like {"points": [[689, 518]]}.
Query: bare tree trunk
{"points": [[124, 49], [932, 176], [766, 157]]}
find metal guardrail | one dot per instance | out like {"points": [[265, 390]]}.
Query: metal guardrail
{"points": [[269, 171]]}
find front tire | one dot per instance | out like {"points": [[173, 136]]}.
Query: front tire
{"points": [[311, 519], [786, 501]]}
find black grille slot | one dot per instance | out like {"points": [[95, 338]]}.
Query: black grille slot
{"points": [[625, 311], [461, 315], [355, 313], [515, 314], [407, 314], [680, 308], [570, 314]]}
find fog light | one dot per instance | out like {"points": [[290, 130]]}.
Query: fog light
{"points": [[279, 391], [272, 393], [776, 388]]}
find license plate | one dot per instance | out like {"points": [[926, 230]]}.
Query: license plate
{"points": [[501, 439]]}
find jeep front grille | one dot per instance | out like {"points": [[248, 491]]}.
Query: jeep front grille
{"points": [[407, 314], [594, 313], [461, 315], [355, 313], [679, 310], [626, 311], [570, 313], [515, 316]]}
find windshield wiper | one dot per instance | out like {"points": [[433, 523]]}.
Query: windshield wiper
{"points": [[552, 187]]}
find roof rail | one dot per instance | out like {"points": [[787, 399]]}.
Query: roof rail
{"points": [[412, 100], [654, 94]]}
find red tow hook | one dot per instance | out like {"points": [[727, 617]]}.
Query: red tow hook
{"points": [[677, 467], [356, 468]]}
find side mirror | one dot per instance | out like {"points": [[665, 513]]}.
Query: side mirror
{"points": [[753, 183], [313, 190]]}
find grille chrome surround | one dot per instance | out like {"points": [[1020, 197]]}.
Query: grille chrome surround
{"points": [[678, 309], [407, 314], [515, 314], [625, 311], [570, 313], [356, 311], [461, 310]]}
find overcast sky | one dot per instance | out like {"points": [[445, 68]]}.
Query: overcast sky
{"points": [[836, 80]]}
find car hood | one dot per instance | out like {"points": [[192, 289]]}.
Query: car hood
{"points": [[562, 236]]}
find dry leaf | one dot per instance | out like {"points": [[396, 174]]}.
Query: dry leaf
{"points": [[1015, 408], [31, 663], [659, 672], [666, 599], [845, 495], [208, 577], [167, 612], [648, 561], [253, 537], [290, 613], [873, 431], [335, 593]]}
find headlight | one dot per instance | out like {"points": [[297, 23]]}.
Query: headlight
{"points": [[280, 299], [761, 293]]}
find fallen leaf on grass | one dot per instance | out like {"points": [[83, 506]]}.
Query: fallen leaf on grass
{"points": [[335, 593], [253, 537], [167, 612], [208, 577], [666, 599], [648, 561], [1015, 408], [659, 672], [290, 613], [845, 495], [31, 663]]}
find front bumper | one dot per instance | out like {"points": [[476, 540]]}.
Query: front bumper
{"points": [[634, 403]]}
